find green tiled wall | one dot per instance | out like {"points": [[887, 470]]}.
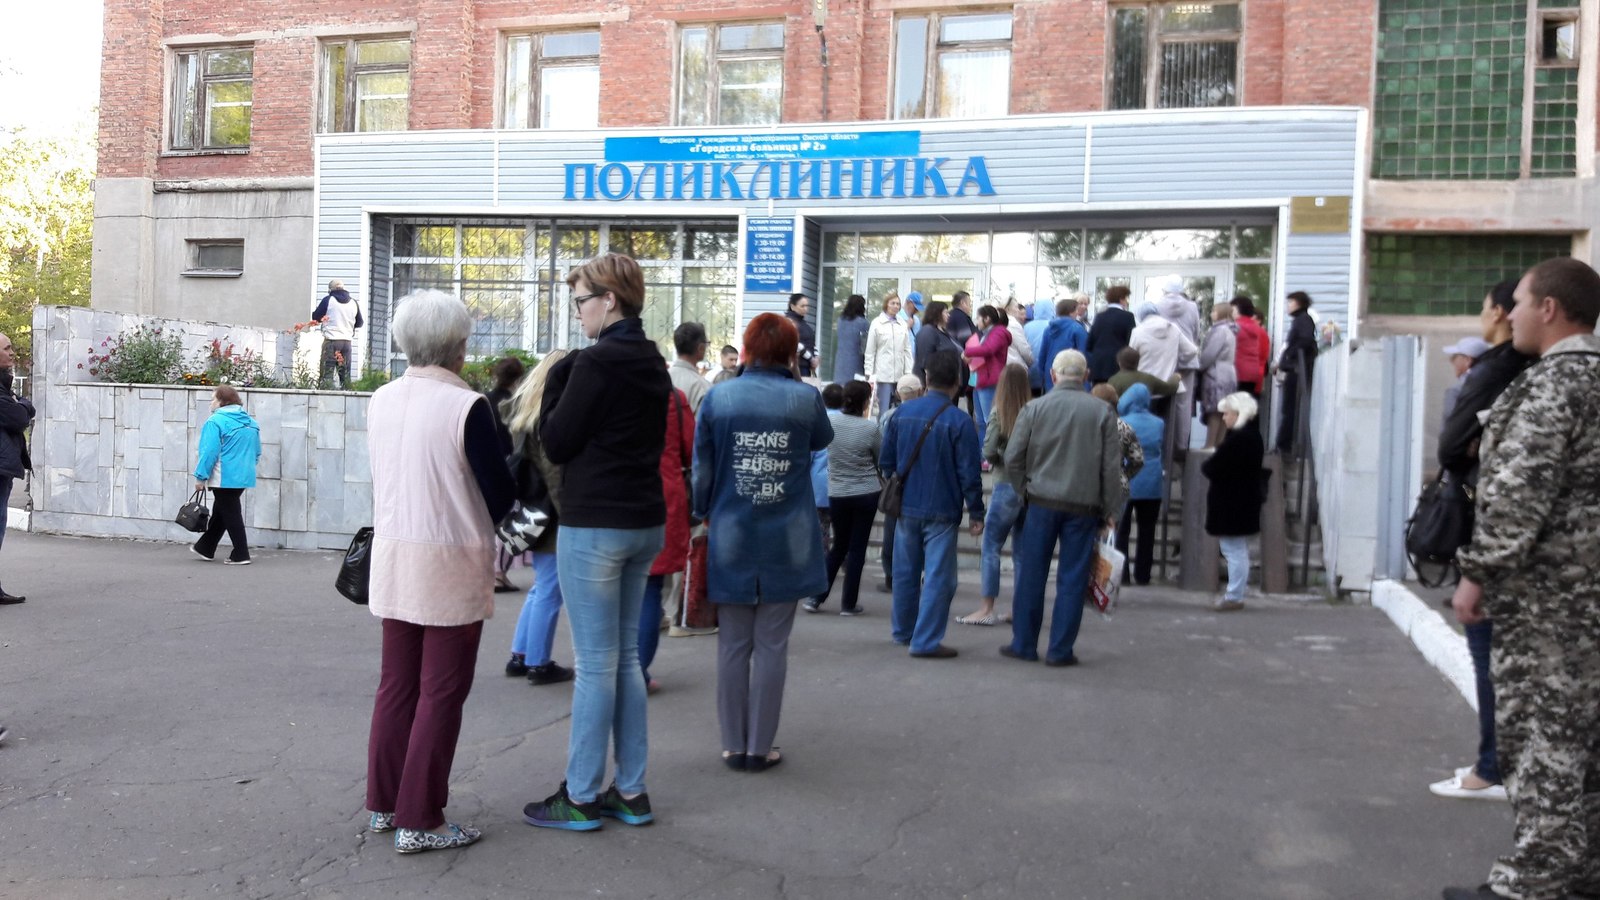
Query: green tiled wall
{"points": [[1447, 275], [1555, 121], [1449, 89]]}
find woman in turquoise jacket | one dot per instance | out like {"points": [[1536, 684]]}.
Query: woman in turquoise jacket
{"points": [[230, 445]]}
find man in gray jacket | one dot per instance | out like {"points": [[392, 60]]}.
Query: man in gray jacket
{"points": [[1065, 452]]}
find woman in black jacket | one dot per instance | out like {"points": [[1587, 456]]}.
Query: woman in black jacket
{"points": [[1299, 351], [1233, 499], [932, 337], [604, 420]]}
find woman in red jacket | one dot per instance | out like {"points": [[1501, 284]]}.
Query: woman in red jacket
{"points": [[986, 353], [676, 458], [1254, 348]]}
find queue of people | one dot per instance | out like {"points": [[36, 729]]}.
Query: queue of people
{"points": [[627, 455]]}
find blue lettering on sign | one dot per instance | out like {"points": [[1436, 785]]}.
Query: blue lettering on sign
{"points": [[764, 146], [769, 256], [831, 179]]}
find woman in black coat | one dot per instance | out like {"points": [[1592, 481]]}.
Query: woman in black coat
{"points": [[1233, 499]]}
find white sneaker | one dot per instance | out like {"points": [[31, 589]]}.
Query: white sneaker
{"points": [[679, 631], [1451, 787]]}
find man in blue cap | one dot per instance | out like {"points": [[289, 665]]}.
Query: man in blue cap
{"points": [[911, 312]]}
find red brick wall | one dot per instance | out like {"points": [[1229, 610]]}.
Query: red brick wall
{"points": [[1329, 52], [1058, 63]]}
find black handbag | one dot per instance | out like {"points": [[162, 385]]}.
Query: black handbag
{"points": [[533, 512], [1440, 526], [194, 516], [356, 570], [895, 485]]}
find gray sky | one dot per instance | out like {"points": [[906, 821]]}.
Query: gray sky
{"points": [[50, 54]]}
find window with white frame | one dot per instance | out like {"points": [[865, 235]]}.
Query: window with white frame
{"points": [[215, 258], [952, 66], [730, 74], [552, 80], [1174, 55], [366, 85], [212, 94]]}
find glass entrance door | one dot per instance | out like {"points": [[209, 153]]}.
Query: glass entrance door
{"points": [[940, 283], [1203, 282]]}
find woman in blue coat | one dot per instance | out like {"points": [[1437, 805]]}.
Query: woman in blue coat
{"points": [[230, 445], [850, 357], [752, 483], [1144, 490]]}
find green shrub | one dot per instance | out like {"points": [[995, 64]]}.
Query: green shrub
{"points": [[479, 373], [140, 355], [370, 380]]}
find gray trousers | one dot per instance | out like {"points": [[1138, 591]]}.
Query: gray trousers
{"points": [[752, 665]]}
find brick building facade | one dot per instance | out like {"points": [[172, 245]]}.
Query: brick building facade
{"points": [[210, 113]]}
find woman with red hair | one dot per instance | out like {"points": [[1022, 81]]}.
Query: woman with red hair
{"points": [[752, 484]]}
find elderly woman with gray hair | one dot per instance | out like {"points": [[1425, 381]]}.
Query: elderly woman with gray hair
{"points": [[439, 485], [1233, 499]]}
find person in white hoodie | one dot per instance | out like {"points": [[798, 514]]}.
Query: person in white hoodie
{"points": [[340, 317], [1177, 308], [1163, 350]]}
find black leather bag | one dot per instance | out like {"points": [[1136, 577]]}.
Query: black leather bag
{"points": [[194, 516], [1441, 524], [356, 570]]}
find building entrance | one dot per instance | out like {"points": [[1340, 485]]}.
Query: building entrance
{"points": [[932, 282], [1202, 281]]}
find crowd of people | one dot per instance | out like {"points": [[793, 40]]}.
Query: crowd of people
{"points": [[629, 456]]}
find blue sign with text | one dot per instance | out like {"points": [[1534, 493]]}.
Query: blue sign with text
{"points": [[769, 256], [767, 146]]}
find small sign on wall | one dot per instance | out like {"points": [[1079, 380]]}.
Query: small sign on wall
{"points": [[769, 256], [1319, 215]]}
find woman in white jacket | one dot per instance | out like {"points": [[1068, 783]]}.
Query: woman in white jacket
{"points": [[888, 354], [1020, 350]]}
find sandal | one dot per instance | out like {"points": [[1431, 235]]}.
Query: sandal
{"points": [[975, 619], [754, 763]]}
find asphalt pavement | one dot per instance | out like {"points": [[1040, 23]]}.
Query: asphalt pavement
{"points": [[188, 729]]}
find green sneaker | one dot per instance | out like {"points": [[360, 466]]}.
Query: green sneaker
{"points": [[633, 812], [558, 811]]}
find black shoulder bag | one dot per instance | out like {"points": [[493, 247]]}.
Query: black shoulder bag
{"points": [[1440, 526], [894, 487]]}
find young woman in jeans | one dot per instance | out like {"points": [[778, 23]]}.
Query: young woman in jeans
{"points": [[1011, 393], [604, 420], [536, 625]]}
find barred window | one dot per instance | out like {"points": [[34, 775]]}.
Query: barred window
{"points": [[1172, 55]]}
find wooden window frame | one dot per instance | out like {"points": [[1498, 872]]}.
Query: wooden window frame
{"points": [[199, 82], [934, 49], [539, 63], [346, 116], [716, 57]]}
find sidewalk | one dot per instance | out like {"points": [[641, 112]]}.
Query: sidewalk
{"points": [[184, 729]]}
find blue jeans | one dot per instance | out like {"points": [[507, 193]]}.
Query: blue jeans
{"points": [[650, 622], [982, 404], [603, 571], [1236, 550], [1005, 505], [921, 620], [1042, 530], [1479, 638], [536, 625]]}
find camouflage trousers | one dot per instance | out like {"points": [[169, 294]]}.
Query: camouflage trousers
{"points": [[1546, 670]]}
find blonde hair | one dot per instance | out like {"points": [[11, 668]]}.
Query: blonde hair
{"points": [[1241, 403], [1011, 394], [524, 404]]}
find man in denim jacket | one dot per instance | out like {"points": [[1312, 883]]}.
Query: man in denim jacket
{"points": [[945, 472]]}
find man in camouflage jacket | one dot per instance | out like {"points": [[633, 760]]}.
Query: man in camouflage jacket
{"points": [[1534, 566]]}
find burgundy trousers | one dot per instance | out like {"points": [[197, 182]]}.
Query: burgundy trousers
{"points": [[427, 672]]}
